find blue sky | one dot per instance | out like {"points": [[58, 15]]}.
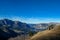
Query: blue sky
{"points": [[31, 11]]}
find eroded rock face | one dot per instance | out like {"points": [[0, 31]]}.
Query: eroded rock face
{"points": [[53, 34]]}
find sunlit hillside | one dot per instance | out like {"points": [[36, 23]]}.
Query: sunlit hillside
{"points": [[53, 34]]}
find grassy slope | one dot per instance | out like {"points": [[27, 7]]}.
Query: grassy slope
{"points": [[53, 34]]}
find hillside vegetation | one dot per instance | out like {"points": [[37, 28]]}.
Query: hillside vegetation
{"points": [[53, 34]]}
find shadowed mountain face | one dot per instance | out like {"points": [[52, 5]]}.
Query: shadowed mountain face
{"points": [[6, 35], [14, 25], [9, 28]]}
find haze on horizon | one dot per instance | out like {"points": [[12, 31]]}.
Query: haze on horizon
{"points": [[31, 11]]}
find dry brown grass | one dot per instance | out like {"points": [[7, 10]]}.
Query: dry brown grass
{"points": [[53, 34]]}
